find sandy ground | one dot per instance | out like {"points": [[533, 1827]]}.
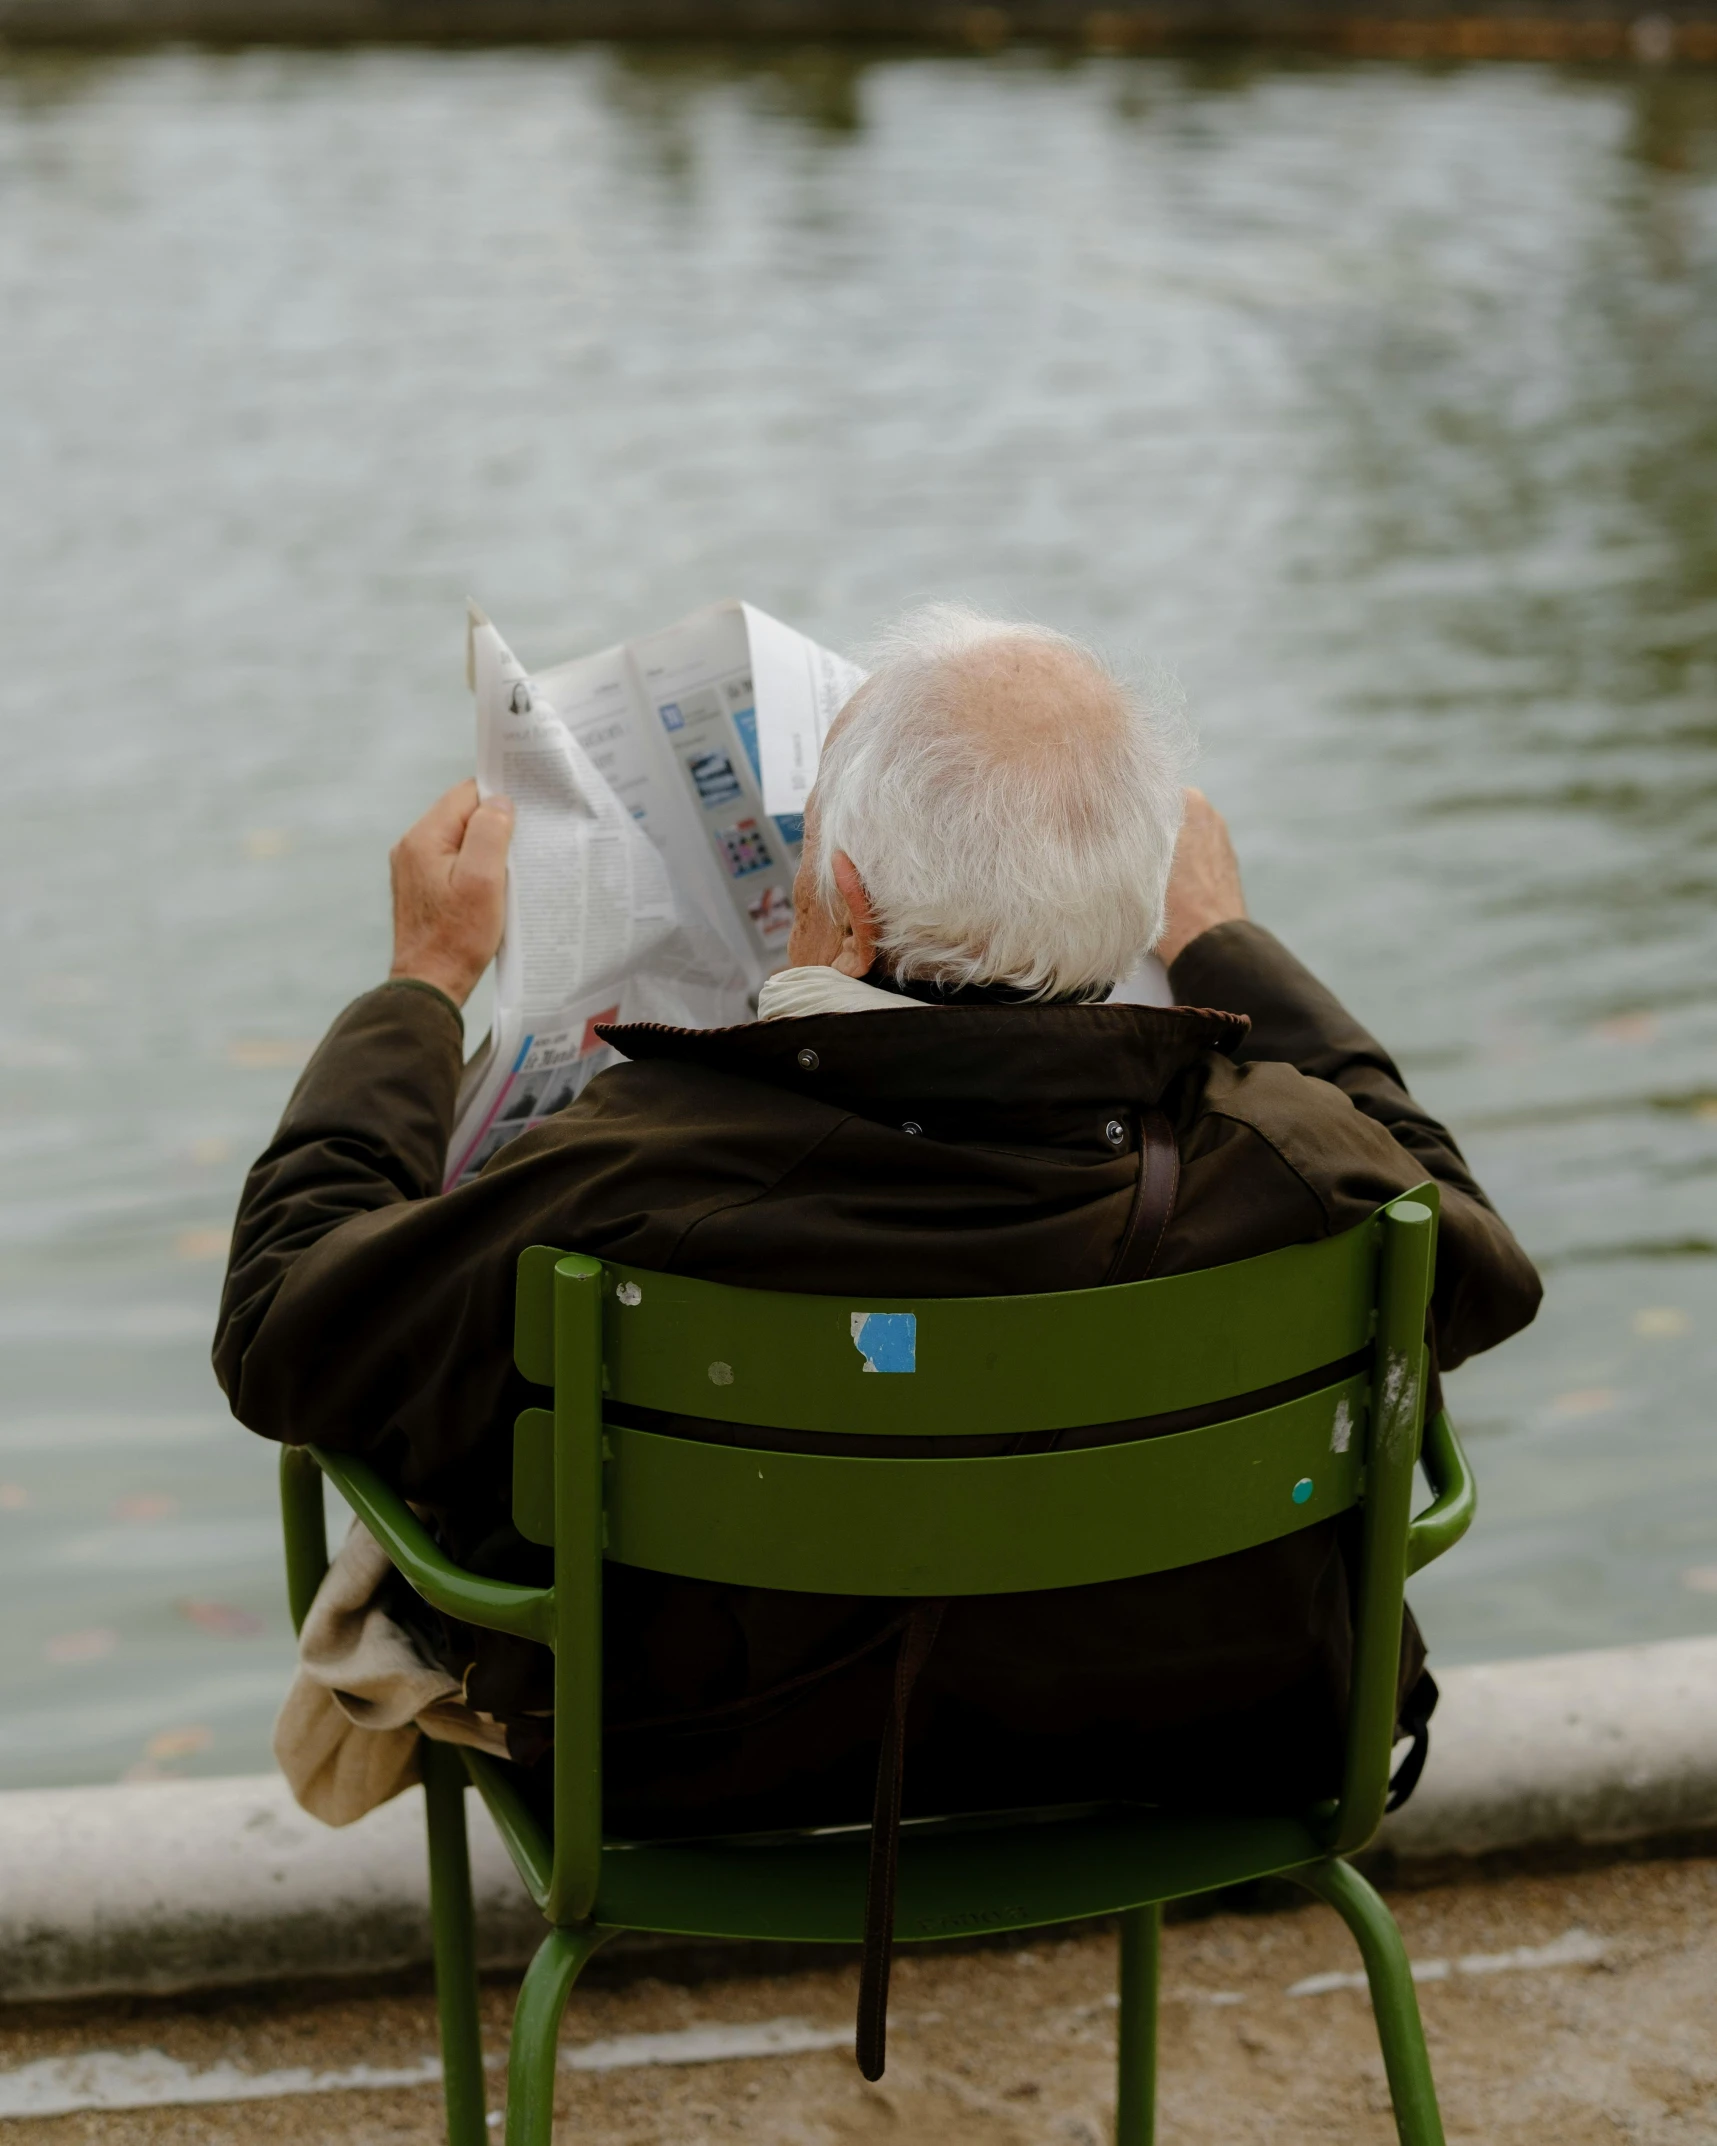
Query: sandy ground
{"points": [[1015, 2047]]}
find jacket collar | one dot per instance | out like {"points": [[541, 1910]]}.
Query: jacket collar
{"points": [[1037, 1057]]}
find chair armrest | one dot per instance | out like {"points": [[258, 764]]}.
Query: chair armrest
{"points": [[528, 1612], [1442, 1524]]}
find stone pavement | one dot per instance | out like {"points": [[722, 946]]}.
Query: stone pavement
{"points": [[1566, 2008]]}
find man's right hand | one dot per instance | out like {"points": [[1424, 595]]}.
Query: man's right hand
{"points": [[1204, 882], [450, 891]]}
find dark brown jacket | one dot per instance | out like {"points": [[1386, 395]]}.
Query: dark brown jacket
{"points": [[365, 1311]]}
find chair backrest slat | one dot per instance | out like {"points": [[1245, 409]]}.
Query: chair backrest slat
{"points": [[946, 1365], [835, 1524]]}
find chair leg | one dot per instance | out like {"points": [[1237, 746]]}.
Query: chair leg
{"points": [[1393, 1998], [454, 1927], [547, 1985], [1136, 2026]]}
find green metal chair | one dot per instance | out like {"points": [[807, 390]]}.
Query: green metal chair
{"points": [[916, 1528]]}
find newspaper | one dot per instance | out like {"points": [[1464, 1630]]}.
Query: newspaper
{"points": [[659, 791]]}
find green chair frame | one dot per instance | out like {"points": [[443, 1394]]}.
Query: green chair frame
{"points": [[911, 1527]]}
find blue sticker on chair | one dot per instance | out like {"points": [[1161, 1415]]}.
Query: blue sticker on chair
{"points": [[1302, 1490], [887, 1340]]}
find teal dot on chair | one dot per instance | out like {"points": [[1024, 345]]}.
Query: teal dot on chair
{"points": [[1302, 1490]]}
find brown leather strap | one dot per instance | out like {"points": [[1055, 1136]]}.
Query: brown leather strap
{"points": [[915, 1644], [1153, 1201]]}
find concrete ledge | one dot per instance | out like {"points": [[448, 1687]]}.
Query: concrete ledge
{"points": [[1577, 1749], [164, 1886], [170, 1886]]}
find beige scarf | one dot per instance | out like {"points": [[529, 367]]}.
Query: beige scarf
{"points": [[347, 1737], [791, 993]]}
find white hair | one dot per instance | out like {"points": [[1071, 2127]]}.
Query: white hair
{"points": [[988, 861]]}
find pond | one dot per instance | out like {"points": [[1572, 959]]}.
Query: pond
{"points": [[1375, 405]]}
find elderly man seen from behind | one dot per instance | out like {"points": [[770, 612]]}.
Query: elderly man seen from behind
{"points": [[935, 1100]]}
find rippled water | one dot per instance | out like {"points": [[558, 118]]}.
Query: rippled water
{"points": [[1378, 404]]}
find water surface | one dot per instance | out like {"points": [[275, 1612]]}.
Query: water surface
{"points": [[1378, 404]]}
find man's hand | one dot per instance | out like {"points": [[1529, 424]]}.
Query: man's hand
{"points": [[450, 891], [1204, 882]]}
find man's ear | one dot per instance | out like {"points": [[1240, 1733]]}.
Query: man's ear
{"points": [[858, 953]]}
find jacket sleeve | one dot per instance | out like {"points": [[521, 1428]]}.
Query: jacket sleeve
{"points": [[1486, 1288], [365, 1134], [368, 1311]]}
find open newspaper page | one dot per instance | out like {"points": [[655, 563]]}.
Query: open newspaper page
{"points": [[590, 902], [1145, 984], [713, 708], [803, 687], [646, 881]]}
